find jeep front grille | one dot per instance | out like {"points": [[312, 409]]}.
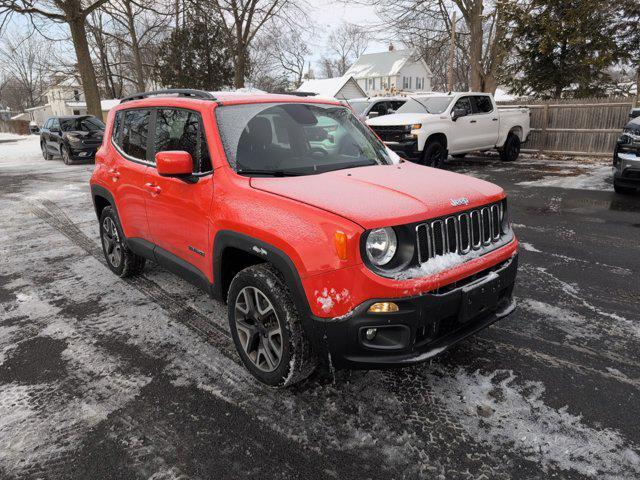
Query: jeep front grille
{"points": [[462, 233]]}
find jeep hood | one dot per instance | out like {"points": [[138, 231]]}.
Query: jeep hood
{"points": [[384, 195]]}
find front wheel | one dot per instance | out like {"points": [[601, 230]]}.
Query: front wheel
{"points": [[511, 149], [66, 155], [266, 329], [435, 154], [45, 152]]}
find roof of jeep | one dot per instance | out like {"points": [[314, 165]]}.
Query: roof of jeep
{"points": [[226, 98]]}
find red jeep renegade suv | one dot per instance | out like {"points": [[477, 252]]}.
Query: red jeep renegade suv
{"points": [[326, 247]]}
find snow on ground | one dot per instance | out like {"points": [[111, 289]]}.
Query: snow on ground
{"points": [[443, 420]]}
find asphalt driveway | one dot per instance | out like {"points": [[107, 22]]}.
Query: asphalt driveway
{"points": [[106, 378]]}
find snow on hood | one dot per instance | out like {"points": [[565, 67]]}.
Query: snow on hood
{"points": [[384, 195], [402, 119]]}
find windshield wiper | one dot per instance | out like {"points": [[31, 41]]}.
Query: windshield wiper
{"points": [[272, 173], [423, 105]]}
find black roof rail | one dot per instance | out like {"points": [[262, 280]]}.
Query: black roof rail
{"points": [[180, 92], [302, 94]]}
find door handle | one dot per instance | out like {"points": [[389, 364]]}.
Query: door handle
{"points": [[153, 188], [494, 119], [473, 121]]}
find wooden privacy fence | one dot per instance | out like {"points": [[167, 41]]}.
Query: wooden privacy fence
{"points": [[21, 127], [576, 127]]}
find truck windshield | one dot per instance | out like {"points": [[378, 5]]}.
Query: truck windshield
{"points": [[425, 105], [296, 139]]}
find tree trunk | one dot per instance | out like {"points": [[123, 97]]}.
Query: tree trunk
{"points": [[474, 23], [85, 66], [135, 47], [241, 65]]}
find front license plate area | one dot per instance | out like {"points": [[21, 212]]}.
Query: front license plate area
{"points": [[479, 299]]}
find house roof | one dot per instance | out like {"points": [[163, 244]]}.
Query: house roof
{"points": [[381, 64], [105, 105], [327, 87]]}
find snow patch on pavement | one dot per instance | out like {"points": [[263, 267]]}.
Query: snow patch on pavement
{"points": [[553, 438], [598, 178]]}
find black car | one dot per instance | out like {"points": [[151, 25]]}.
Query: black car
{"points": [[74, 137], [626, 159]]}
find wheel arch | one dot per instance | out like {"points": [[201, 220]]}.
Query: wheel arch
{"points": [[438, 136], [230, 246], [102, 198], [517, 130]]}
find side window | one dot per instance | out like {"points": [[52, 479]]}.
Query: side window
{"points": [[55, 124], [397, 104], [182, 130], [117, 128], [464, 103], [135, 131], [381, 108], [483, 104], [48, 123]]}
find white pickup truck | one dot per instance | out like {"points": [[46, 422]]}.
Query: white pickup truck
{"points": [[429, 128]]}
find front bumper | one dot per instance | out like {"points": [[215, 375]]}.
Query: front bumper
{"points": [[407, 149], [626, 168], [424, 326]]}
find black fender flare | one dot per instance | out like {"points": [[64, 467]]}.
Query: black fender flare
{"points": [[99, 190], [275, 256]]}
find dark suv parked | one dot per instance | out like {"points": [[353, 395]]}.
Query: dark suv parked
{"points": [[626, 159], [73, 138]]}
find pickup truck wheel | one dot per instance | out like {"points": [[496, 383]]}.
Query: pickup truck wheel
{"points": [[511, 149], [434, 155], [45, 153], [266, 329], [120, 260]]}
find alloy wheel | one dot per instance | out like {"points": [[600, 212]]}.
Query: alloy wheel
{"points": [[111, 242], [65, 156], [258, 329]]}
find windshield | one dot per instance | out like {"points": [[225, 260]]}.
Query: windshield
{"points": [[81, 124], [425, 104], [359, 107], [296, 139]]}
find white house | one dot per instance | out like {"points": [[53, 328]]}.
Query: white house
{"points": [[390, 72], [67, 98], [342, 88]]}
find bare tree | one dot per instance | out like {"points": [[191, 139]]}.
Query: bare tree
{"points": [[243, 19], [74, 14], [345, 44], [137, 26], [25, 58], [482, 37], [290, 51]]}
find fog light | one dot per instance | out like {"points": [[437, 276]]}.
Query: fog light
{"points": [[383, 307], [370, 333]]}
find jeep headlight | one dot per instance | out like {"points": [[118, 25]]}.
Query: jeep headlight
{"points": [[381, 245]]}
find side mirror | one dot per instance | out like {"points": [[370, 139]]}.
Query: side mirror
{"points": [[373, 114], [457, 113], [174, 163]]}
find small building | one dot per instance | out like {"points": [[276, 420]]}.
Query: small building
{"points": [[67, 98], [341, 88], [390, 72]]}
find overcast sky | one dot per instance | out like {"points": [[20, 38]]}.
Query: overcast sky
{"points": [[329, 14]]}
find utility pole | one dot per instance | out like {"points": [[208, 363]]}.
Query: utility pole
{"points": [[452, 53]]}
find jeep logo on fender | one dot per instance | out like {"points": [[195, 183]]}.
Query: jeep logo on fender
{"points": [[456, 202]]}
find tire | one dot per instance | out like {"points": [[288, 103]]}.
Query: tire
{"points": [[66, 155], [511, 149], [267, 332], [120, 260], [623, 190], [45, 153], [434, 154], [459, 155]]}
